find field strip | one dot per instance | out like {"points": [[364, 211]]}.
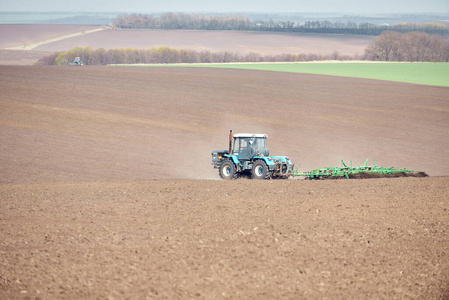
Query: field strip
{"points": [[410, 72], [417, 73], [56, 39]]}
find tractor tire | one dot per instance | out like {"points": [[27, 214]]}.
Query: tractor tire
{"points": [[260, 170], [227, 170]]}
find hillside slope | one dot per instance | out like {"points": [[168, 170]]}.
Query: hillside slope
{"points": [[112, 123]]}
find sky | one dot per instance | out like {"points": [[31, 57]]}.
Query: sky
{"points": [[230, 6]]}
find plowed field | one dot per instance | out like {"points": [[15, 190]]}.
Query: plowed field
{"points": [[115, 123], [357, 239], [47, 39], [16, 35], [106, 187], [218, 41]]}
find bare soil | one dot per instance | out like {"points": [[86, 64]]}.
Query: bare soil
{"points": [[13, 35], [26, 35], [126, 123], [354, 239], [97, 198], [218, 41], [21, 57], [264, 43]]}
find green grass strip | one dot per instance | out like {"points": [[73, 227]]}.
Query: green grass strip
{"points": [[420, 73]]}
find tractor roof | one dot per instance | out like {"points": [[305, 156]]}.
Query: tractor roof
{"points": [[248, 135]]}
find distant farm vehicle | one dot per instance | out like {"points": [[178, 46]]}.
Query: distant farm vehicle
{"points": [[76, 62], [248, 154]]}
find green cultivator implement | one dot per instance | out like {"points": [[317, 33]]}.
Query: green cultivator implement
{"points": [[364, 171]]}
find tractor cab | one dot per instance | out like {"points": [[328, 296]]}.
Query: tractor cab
{"points": [[246, 146]]}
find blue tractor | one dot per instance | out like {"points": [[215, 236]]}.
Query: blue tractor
{"points": [[248, 154], [76, 62]]}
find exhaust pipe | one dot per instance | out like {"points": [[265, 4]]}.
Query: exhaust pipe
{"points": [[230, 142]]}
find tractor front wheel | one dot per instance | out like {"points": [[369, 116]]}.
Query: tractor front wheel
{"points": [[260, 170], [227, 170]]}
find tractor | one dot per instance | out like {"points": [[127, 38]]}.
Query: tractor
{"points": [[248, 155], [76, 62]]}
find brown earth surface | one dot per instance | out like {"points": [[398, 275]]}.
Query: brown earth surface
{"points": [[115, 123], [21, 57], [26, 36], [218, 41], [16, 39], [97, 198], [278, 239], [14, 35]]}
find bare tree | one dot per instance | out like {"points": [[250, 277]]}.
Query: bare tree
{"points": [[411, 46]]}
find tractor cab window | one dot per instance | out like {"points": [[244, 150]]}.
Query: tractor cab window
{"points": [[258, 142], [243, 143], [240, 144]]}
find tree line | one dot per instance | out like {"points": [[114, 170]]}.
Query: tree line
{"points": [[166, 55], [349, 27], [389, 46], [411, 46], [183, 21], [242, 22]]}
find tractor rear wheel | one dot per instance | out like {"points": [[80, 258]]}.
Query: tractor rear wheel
{"points": [[227, 170], [260, 170]]}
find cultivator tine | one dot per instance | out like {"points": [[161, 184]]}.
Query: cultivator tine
{"points": [[366, 163]]}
